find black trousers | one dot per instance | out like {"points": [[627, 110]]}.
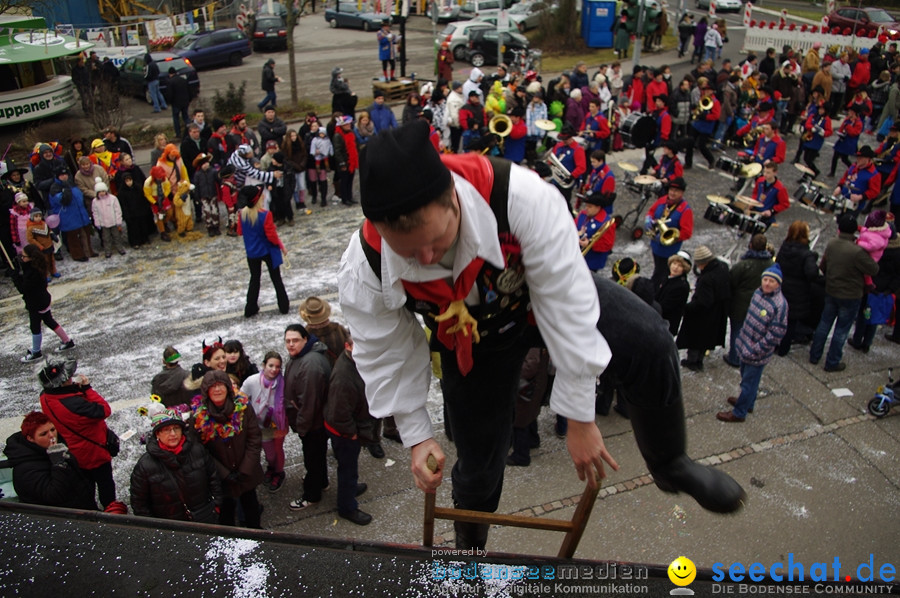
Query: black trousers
{"points": [[480, 411], [809, 157], [102, 477], [315, 449], [346, 187], [35, 318], [249, 504], [699, 142], [255, 264]]}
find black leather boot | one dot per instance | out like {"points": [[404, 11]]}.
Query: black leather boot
{"points": [[661, 438], [521, 454], [471, 535]]}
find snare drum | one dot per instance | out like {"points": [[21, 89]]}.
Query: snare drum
{"points": [[732, 218], [715, 213], [839, 204], [728, 165], [751, 225], [638, 129], [820, 199]]}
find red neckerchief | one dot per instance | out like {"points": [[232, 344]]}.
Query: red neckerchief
{"points": [[478, 171], [177, 449]]}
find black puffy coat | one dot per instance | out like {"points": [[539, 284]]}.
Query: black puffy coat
{"points": [[158, 475], [37, 481], [706, 314], [801, 279]]}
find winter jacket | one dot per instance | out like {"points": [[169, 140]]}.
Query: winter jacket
{"points": [[874, 240], [239, 452], [86, 182], [78, 412], [107, 211], [333, 336], [182, 487], [43, 174], [40, 481], [169, 386], [844, 265], [706, 315], [178, 92], [68, 202], [801, 277], [133, 203], [345, 153], [205, 183], [840, 76], [346, 410], [672, 296], [268, 78], [151, 69], [261, 239], [33, 285], [306, 387], [744, 279], [271, 130], [764, 327], [38, 233], [382, 117]]}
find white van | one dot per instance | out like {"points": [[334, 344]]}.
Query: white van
{"points": [[476, 8]]}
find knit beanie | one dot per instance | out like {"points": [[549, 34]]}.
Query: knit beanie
{"points": [[876, 219], [773, 271], [166, 417]]}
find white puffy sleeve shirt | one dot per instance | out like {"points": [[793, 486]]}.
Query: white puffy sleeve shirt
{"points": [[390, 348]]}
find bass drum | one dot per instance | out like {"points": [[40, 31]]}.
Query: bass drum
{"points": [[638, 129]]}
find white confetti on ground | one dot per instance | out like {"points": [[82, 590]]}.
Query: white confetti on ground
{"points": [[241, 565]]}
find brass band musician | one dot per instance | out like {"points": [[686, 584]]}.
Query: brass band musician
{"points": [[670, 212]]}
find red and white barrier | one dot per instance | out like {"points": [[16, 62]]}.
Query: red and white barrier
{"points": [[712, 9], [748, 11]]}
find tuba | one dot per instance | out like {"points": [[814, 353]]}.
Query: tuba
{"points": [[561, 174], [751, 137]]}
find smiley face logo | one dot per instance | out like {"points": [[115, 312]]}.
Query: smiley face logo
{"points": [[682, 571]]}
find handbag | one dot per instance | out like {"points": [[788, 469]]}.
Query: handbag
{"points": [[111, 446]]}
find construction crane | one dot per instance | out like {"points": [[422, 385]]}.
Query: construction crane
{"points": [[113, 11]]}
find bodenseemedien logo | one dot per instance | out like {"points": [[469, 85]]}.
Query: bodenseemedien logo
{"points": [[682, 573]]}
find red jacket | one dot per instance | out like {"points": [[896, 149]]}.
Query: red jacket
{"points": [[78, 411]]}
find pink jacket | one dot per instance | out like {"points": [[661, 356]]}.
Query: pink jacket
{"points": [[874, 240], [107, 211]]}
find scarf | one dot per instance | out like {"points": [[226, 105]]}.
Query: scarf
{"points": [[271, 404], [213, 422], [176, 450]]}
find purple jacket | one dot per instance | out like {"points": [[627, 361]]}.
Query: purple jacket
{"points": [[764, 327]]}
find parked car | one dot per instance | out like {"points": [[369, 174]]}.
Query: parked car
{"points": [[446, 11], [722, 5], [131, 74], [866, 19], [348, 15], [269, 32], [457, 35], [476, 8], [483, 46], [527, 15], [214, 48]]}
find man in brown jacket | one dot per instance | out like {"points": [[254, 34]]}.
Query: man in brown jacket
{"points": [[845, 264]]}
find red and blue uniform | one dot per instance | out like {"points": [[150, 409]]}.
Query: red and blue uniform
{"points": [[514, 144], [848, 133], [669, 168], [680, 217], [587, 227], [708, 119], [772, 149], [862, 181], [773, 197], [601, 180], [815, 123], [889, 154], [663, 126], [599, 128], [571, 154]]}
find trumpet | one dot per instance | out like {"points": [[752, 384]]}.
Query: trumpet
{"points": [[807, 136], [500, 125], [705, 105], [667, 235]]}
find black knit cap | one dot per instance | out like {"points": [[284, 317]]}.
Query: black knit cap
{"points": [[400, 172]]}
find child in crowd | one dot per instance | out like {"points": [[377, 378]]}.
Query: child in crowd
{"points": [[238, 365], [38, 233], [205, 186], [266, 393], [228, 194], [30, 278], [874, 237], [19, 214], [108, 218], [320, 149]]}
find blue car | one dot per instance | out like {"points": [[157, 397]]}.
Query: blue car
{"points": [[214, 48]]}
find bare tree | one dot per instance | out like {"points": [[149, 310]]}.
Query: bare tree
{"points": [[295, 9], [23, 7]]}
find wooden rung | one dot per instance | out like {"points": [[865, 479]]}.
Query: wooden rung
{"points": [[554, 525]]}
